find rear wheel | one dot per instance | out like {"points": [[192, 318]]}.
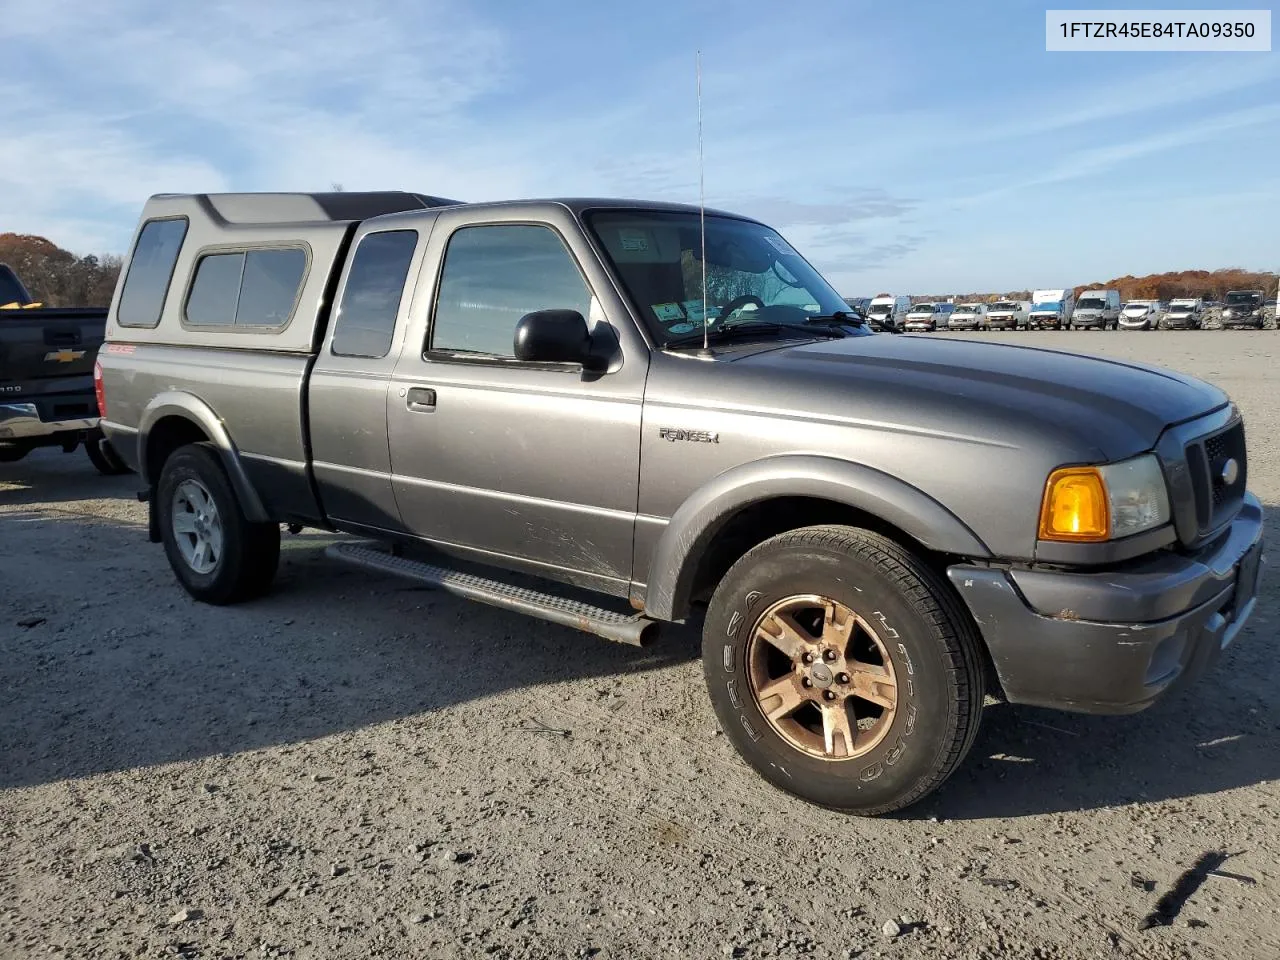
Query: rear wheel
{"points": [[104, 457], [843, 669], [218, 555]]}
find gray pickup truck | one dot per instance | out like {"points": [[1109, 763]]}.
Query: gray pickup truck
{"points": [[514, 402]]}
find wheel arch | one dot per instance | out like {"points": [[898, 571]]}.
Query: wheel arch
{"points": [[174, 419], [792, 491]]}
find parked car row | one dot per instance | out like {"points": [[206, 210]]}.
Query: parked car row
{"points": [[1059, 309]]}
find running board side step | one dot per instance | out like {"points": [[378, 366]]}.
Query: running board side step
{"points": [[635, 629]]}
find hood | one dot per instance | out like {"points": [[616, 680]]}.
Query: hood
{"points": [[1099, 409]]}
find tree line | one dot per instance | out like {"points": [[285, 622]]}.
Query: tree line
{"points": [[57, 277]]}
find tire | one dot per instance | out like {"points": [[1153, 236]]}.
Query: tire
{"points": [[104, 457], [193, 484], [908, 624]]}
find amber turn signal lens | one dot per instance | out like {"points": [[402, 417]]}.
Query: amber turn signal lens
{"points": [[1075, 506]]}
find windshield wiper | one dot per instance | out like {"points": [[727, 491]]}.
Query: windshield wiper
{"points": [[840, 316], [754, 328]]}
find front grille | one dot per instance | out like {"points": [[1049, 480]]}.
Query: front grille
{"points": [[1218, 489]]}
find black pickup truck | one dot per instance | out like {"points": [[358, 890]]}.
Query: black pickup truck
{"points": [[47, 396]]}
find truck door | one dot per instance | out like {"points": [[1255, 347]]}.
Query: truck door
{"points": [[347, 390], [533, 466]]}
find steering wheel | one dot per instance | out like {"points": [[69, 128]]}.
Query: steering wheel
{"points": [[737, 303]]}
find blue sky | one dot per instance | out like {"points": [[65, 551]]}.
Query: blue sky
{"points": [[907, 147]]}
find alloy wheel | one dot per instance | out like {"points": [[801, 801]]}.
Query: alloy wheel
{"points": [[822, 677], [197, 526]]}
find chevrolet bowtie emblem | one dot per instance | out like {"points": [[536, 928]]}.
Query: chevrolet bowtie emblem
{"points": [[63, 356]]}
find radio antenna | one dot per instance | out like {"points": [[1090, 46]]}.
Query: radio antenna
{"points": [[702, 212]]}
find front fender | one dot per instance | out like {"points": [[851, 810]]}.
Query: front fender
{"points": [[700, 517], [188, 407]]}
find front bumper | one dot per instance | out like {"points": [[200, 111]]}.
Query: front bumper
{"points": [[1114, 641], [21, 421], [1088, 321], [1243, 320]]}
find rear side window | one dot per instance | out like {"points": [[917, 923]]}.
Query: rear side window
{"points": [[150, 272], [269, 286], [366, 319], [249, 288], [215, 289]]}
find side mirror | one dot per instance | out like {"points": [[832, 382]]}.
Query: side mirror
{"points": [[554, 336]]}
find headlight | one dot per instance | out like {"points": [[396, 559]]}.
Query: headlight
{"points": [[1091, 504]]}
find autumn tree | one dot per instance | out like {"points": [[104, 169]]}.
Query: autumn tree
{"points": [[57, 277]]}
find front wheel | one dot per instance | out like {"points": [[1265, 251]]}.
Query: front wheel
{"points": [[218, 555], [842, 669]]}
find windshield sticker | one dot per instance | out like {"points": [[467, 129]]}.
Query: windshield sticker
{"points": [[694, 309], [668, 312], [682, 328], [633, 240], [780, 245]]}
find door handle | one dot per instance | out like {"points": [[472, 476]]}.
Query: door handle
{"points": [[421, 400]]}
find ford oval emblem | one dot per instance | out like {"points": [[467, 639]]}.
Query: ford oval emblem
{"points": [[1230, 472]]}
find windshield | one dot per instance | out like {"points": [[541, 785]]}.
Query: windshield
{"points": [[922, 308], [1136, 307], [1003, 305], [1048, 305], [1241, 298], [1092, 303], [881, 309], [969, 308], [752, 273]]}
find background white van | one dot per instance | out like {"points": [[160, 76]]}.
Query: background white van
{"points": [[1008, 314], [929, 316], [968, 316], [888, 310], [1140, 315], [1097, 310]]}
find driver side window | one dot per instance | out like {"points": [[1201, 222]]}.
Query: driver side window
{"points": [[493, 275]]}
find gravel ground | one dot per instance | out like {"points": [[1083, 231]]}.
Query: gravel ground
{"points": [[355, 767]]}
